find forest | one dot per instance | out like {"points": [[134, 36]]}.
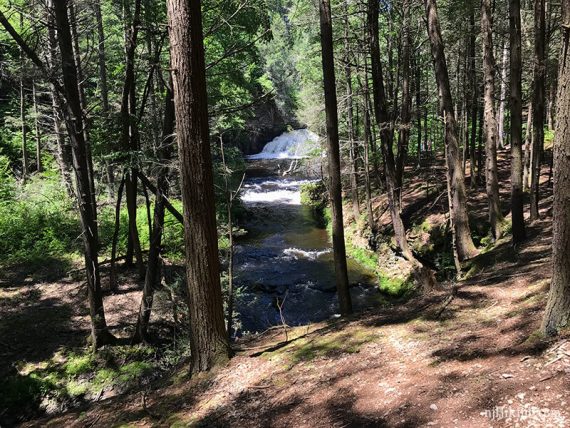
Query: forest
{"points": [[307, 213]]}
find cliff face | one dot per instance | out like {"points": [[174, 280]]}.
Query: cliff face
{"points": [[266, 123]]}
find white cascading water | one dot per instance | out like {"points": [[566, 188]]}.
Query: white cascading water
{"points": [[273, 191], [290, 145], [285, 254]]}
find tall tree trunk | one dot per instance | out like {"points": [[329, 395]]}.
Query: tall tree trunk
{"points": [[367, 145], [208, 340], [418, 90], [153, 267], [74, 122], [103, 86], [517, 195], [423, 275], [538, 105], [129, 135], [527, 149], [503, 94], [474, 99], [405, 111], [37, 128], [335, 190], [491, 129], [557, 315], [63, 150], [458, 201], [25, 163], [102, 56], [350, 118]]}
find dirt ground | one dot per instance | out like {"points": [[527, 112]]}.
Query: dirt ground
{"points": [[466, 356]]}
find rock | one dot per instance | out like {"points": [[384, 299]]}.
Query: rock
{"points": [[433, 407]]}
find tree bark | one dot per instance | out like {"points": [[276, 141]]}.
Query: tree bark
{"points": [[335, 190], [74, 122], [405, 111], [557, 315], [37, 128], [153, 267], [209, 341], [63, 150], [129, 135], [350, 118], [503, 95], [491, 129], [102, 57], [458, 201], [25, 162], [538, 105], [474, 100], [423, 275], [517, 195], [527, 149]]}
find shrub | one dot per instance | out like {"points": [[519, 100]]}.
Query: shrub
{"points": [[38, 222]]}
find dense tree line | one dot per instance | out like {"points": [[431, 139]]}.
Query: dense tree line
{"points": [[115, 86]]}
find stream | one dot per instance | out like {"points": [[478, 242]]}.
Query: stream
{"points": [[285, 259]]}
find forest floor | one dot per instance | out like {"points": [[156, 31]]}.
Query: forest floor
{"points": [[464, 355]]}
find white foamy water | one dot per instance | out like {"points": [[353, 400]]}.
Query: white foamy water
{"points": [[297, 253], [273, 191], [290, 145], [289, 197]]}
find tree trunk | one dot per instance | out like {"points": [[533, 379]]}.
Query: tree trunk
{"points": [[74, 122], [102, 56], [491, 129], [474, 99], [129, 136], [103, 86], [82, 97], [538, 105], [209, 341], [557, 315], [405, 111], [335, 190], [517, 195], [153, 267], [383, 122], [367, 145], [418, 90], [63, 150], [25, 163], [502, 101], [37, 126], [458, 207], [527, 147], [350, 119]]}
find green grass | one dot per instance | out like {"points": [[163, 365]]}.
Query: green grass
{"points": [[329, 345], [71, 375]]}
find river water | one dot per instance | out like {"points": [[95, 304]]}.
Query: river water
{"points": [[285, 259]]}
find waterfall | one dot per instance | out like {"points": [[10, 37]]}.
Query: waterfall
{"points": [[290, 145]]}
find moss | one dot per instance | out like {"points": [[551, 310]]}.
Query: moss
{"points": [[78, 364], [395, 287], [367, 258], [76, 388], [314, 194], [535, 338], [327, 346]]}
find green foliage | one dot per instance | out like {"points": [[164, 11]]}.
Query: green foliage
{"points": [[395, 287], [7, 182], [38, 222], [314, 194], [71, 375], [548, 139]]}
